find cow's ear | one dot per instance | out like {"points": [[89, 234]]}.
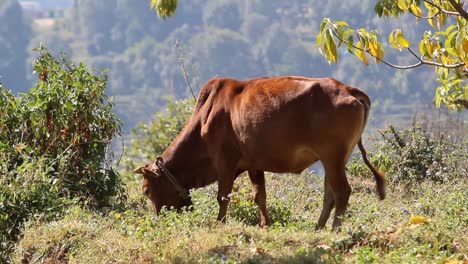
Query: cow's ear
{"points": [[139, 170], [145, 171]]}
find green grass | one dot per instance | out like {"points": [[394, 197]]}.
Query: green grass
{"points": [[373, 232]]}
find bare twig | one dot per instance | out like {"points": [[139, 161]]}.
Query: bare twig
{"points": [[123, 149], [194, 74], [184, 70]]}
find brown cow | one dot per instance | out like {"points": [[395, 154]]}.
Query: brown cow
{"points": [[279, 124]]}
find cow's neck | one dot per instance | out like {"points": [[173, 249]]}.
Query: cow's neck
{"points": [[186, 158]]}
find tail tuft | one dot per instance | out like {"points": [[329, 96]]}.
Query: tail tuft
{"points": [[379, 176]]}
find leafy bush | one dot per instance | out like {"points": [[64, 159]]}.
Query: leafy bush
{"points": [[30, 190], [54, 145], [67, 119], [415, 155]]}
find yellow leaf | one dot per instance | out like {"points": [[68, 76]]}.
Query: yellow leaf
{"points": [[416, 11], [360, 54], [464, 43], [402, 5], [401, 40], [319, 39], [430, 47], [381, 52], [418, 219], [427, 5], [422, 48], [391, 39], [432, 14], [440, 21], [373, 49], [330, 47], [453, 261], [446, 60]]}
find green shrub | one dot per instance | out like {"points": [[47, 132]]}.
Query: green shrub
{"points": [[54, 145], [68, 120], [415, 155], [29, 190]]}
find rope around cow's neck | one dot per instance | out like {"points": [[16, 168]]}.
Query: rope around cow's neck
{"points": [[182, 191]]}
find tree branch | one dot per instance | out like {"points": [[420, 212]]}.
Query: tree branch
{"points": [[443, 10], [459, 8], [433, 63], [428, 17], [461, 102], [405, 67]]}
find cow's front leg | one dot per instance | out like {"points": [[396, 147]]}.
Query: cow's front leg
{"points": [[224, 189]]}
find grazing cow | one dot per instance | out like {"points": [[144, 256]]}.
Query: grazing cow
{"points": [[278, 124]]}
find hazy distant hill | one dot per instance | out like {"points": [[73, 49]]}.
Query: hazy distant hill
{"points": [[51, 4], [230, 38]]}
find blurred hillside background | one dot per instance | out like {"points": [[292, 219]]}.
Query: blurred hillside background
{"points": [[225, 38]]}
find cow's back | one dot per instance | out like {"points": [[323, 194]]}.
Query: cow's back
{"points": [[285, 124]]}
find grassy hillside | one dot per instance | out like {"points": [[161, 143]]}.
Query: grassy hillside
{"points": [[373, 232], [62, 200], [423, 219]]}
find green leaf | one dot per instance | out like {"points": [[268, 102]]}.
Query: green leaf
{"points": [[349, 44], [450, 28], [341, 23], [164, 8], [347, 33]]}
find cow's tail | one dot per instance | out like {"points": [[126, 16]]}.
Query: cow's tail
{"points": [[379, 176]]}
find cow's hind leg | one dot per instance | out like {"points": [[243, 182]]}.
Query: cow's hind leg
{"points": [[328, 204], [335, 178], [258, 187]]}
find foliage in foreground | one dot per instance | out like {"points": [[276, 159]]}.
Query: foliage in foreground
{"points": [[54, 144], [373, 232]]}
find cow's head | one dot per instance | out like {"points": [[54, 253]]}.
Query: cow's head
{"points": [[160, 190]]}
